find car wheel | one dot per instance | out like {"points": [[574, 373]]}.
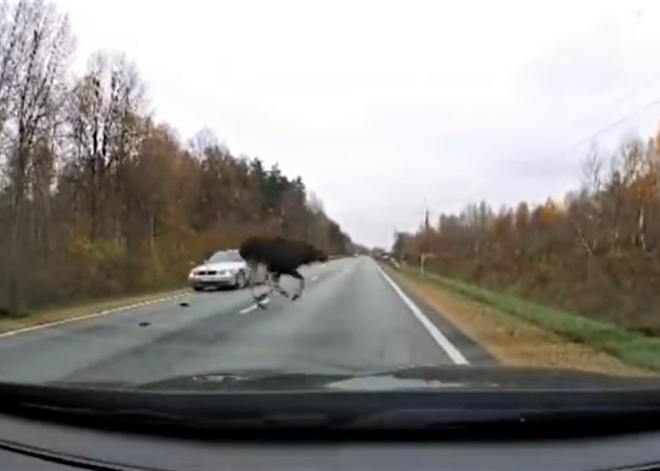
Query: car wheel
{"points": [[198, 288]]}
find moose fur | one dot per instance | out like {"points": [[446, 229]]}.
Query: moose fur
{"points": [[280, 256]]}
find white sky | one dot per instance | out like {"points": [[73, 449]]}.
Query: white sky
{"points": [[379, 104]]}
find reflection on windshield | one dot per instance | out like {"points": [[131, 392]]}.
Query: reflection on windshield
{"points": [[225, 256]]}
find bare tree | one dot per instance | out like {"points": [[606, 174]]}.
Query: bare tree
{"points": [[106, 129], [39, 44], [202, 140]]}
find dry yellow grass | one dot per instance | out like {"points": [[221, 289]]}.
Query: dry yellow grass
{"points": [[512, 341]]}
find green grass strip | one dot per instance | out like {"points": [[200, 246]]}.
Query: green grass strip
{"points": [[631, 347]]}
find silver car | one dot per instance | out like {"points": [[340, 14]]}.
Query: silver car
{"points": [[224, 269]]}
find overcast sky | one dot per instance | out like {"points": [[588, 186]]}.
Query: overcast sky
{"points": [[380, 104]]}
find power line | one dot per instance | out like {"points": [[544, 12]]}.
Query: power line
{"points": [[654, 78], [629, 94], [605, 129], [621, 99]]}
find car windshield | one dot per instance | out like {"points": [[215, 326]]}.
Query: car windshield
{"points": [[225, 256], [465, 192]]}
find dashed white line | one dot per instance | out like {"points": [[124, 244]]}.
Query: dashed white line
{"points": [[252, 307], [248, 309], [315, 277], [450, 349], [90, 316]]}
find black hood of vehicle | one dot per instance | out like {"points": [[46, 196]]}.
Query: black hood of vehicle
{"points": [[399, 379], [416, 398]]}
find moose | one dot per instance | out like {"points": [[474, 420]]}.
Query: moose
{"points": [[280, 256]]}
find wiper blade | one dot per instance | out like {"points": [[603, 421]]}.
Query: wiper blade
{"points": [[221, 421]]}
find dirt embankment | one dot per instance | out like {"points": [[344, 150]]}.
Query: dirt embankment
{"points": [[513, 341]]}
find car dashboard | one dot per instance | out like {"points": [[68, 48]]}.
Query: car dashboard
{"points": [[27, 444]]}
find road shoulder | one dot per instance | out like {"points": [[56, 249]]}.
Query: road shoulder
{"points": [[512, 341], [471, 350], [83, 311]]}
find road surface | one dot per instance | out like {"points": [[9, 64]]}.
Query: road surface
{"points": [[352, 318]]}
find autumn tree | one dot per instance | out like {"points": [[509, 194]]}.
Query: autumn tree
{"points": [[595, 253], [97, 198], [36, 44]]}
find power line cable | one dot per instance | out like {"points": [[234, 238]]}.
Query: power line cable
{"points": [[606, 128], [627, 95]]}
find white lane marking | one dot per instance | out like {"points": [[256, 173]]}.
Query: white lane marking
{"points": [[248, 309], [315, 277], [252, 307], [450, 349], [91, 316]]}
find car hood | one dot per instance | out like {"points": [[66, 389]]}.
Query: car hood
{"points": [[220, 266], [407, 378]]}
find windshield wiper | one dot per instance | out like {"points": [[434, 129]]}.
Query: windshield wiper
{"points": [[220, 421]]}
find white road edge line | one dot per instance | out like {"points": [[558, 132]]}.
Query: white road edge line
{"points": [[90, 316], [450, 349]]}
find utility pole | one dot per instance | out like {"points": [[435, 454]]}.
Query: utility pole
{"points": [[426, 240]]}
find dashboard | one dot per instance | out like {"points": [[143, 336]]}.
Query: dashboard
{"points": [[26, 444]]}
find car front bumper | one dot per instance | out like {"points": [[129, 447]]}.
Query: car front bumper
{"points": [[212, 281]]}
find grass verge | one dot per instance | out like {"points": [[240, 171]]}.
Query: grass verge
{"points": [[630, 347], [47, 316]]}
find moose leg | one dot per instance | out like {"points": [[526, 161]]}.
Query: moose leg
{"points": [[301, 286], [253, 271], [276, 284]]}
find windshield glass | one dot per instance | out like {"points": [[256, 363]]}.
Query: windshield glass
{"points": [[468, 187], [225, 256]]}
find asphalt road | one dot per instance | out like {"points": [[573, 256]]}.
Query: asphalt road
{"points": [[352, 318]]}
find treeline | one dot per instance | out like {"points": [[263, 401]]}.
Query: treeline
{"points": [[96, 198], [596, 253]]}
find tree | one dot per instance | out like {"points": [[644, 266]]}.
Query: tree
{"points": [[596, 254], [100, 199], [37, 44]]}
